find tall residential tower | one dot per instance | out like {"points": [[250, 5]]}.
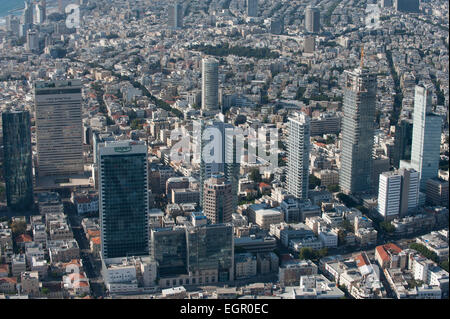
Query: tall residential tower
{"points": [[298, 156], [210, 84]]}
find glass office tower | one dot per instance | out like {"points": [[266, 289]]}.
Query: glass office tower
{"points": [[123, 198], [18, 170], [426, 141], [168, 248], [211, 247]]}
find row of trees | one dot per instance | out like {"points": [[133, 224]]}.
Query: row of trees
{"points": [[312, 254]]}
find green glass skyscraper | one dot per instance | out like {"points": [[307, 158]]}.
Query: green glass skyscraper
{"points": [[18, 168], [123, 198]]}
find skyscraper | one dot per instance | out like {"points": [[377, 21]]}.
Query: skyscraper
{"points": [[426, 142], [298, 156], [358, 131], [277, 26], [312, 20], [28, 13], [218, 200], [59, 131], [224, 157], [33, 40], [402, 141], [210, 84], [18, 169], [398, 193], [123, 188], [252, 8], [175, 15], [41, 14]]}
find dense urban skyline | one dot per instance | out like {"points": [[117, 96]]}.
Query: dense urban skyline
{"points": [[224, 149]]}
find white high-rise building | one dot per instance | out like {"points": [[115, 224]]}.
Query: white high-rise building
{"points": [[40, 13], [398, 193], [252, 8], [210, 84], [175, 15], [410, 191], [59, 130], [32, 40], [427, 128], [298, 156]]}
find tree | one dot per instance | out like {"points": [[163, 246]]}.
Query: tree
{"points": [[347, 200], [323, 252], [425, 252], [444, 265], [329, 140], [306, 253], [255, 175], [240, 119], [18, 228], [346, 225], [313, 181], [387, 227], [333, 188]]}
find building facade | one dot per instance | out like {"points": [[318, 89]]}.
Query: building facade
{"points": [[358, 131], [59, 131], [123, 179], [18, 170], [298, 156]]}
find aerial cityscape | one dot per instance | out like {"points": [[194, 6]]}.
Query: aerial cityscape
{"points": [[224, 149]]}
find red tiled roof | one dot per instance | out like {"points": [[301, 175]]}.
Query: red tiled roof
{"points": [[361, 260], [11, 280], [93, 233], [23, 238], [73, 262], [4, 268], [382, 253], [383, 250], [96, 240]]}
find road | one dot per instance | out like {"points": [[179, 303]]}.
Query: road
{"points": [[91, 265]]}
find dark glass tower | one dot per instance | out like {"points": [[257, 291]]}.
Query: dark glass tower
{"points": [[211, 247], [123, 199], [403, 142], [18, 163], [168, 248]]}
